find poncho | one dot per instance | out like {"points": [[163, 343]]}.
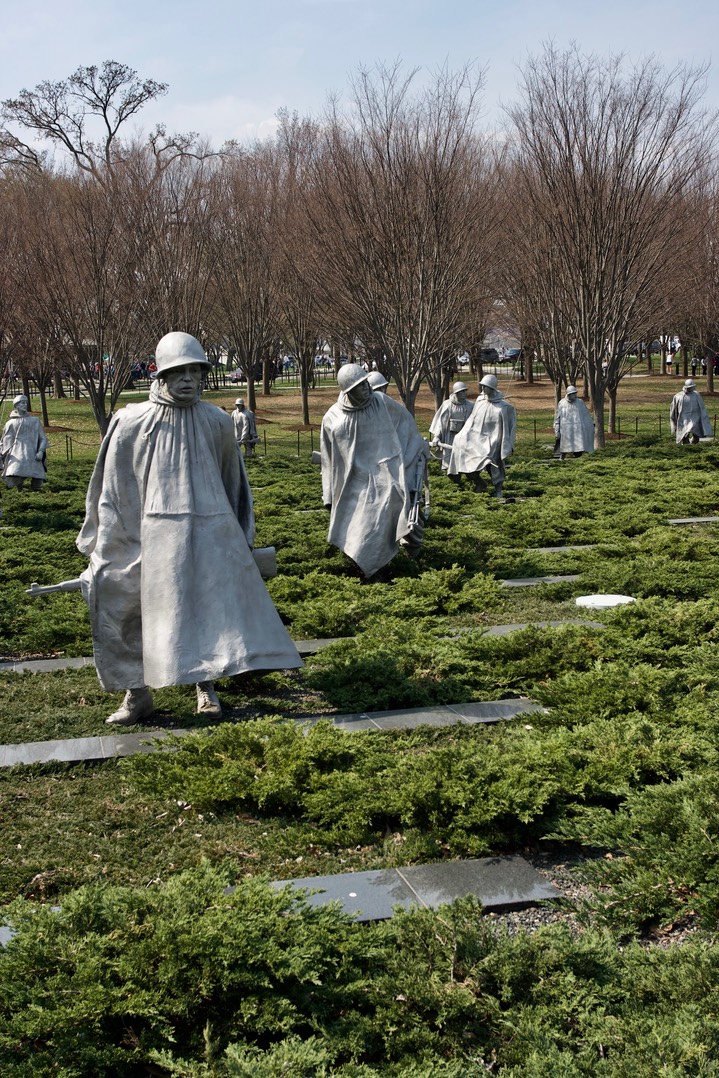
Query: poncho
{"points": [[173, 591], [574, 427], [23, 438], [245, 426], [449, 419], [487, 437], [688, 415], [372, 461]]}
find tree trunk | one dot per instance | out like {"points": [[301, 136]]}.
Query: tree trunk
{"points": [[76, 388], [650, 369], [599, 441], [26, 390], [43, 404], [267, 359], [663, 355], [530, 367], [612, 409], [685, 361], [59, 388], [710, 374], [305, 395]]}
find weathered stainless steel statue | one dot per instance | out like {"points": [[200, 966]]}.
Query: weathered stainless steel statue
{"points": [[449, 419], [573, 426], [688, 417], [486, 440], [23, 448], [174, 594], [245, 427], [373, 470]]}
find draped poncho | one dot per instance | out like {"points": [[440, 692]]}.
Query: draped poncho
{"points": [[173, 591], [688, 415], [372, 460], [487, 437], [574, 427], [23, 438]]}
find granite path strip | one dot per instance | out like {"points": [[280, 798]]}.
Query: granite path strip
{"points": [[534, 581], [48, 666], [110, 746]]}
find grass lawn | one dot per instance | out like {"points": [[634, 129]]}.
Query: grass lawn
{"points": [[152, 968]]}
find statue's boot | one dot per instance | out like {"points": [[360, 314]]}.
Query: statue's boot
{"points": [[136, 706], [480, 484], [208, 702]]}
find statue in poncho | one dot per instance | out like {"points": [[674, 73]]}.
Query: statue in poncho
{"points": [[573, 426], [373, 470], [23, 448], [688, 416], [449, 419], [245, 427], [174, 595], [486, 440]]}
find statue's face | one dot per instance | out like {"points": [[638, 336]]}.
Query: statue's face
{"points": [[461, 395], [571, 397], [688, 389], [489, 392], [183, 383], [21, 406], [360, 393]]}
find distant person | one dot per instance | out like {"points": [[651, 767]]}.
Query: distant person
{"points": [[688, 416], [694, 366], [486, 441], [23, 448], [448, 421], [573, 426]]}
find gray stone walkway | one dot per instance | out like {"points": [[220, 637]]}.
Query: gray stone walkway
{"points": [[693, 520], [48, 666], [534, 581], [110, 746], [498, 883]]}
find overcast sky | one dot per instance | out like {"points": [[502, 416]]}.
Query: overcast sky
{"points": [[231, 64]]}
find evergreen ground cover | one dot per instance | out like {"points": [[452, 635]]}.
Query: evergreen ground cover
{"points": [[151, 965]]}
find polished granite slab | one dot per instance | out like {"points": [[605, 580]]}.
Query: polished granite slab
{"points": [[49, 666], [498, 882], [111, 745], [694, 520], [533, 581]]}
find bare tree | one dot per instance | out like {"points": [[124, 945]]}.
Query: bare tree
{"points": [[403, 209], [602, 158], [244, 282]]}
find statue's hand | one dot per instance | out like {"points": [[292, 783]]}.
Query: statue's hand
{"points": [[39, 456]]}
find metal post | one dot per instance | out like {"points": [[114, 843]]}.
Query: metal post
{"points": [[312, 441], [264, 435], [535, 431], [619, 426], [660, 426], [636, 424], [298, 443]]}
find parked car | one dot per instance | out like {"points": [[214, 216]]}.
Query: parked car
{"points": [[513, 355], [489, 355]]}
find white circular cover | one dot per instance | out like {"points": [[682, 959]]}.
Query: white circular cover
{"points": [[603, 602]]}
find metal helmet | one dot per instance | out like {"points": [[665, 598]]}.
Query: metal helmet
{"points": [[377, 380], [176, 349], [489, 380], [350, 375], [690, 384], [459, 387], [240, 402], [571, 389]]}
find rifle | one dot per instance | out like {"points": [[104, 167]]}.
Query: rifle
{"points": [[265, 560]]}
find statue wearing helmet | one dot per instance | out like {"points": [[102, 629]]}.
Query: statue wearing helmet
{"points": [[245, 427], [168, 495], [449, 419], [688, 417], [23, 447], [486, 440], [373, 469], [573, 426]]}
